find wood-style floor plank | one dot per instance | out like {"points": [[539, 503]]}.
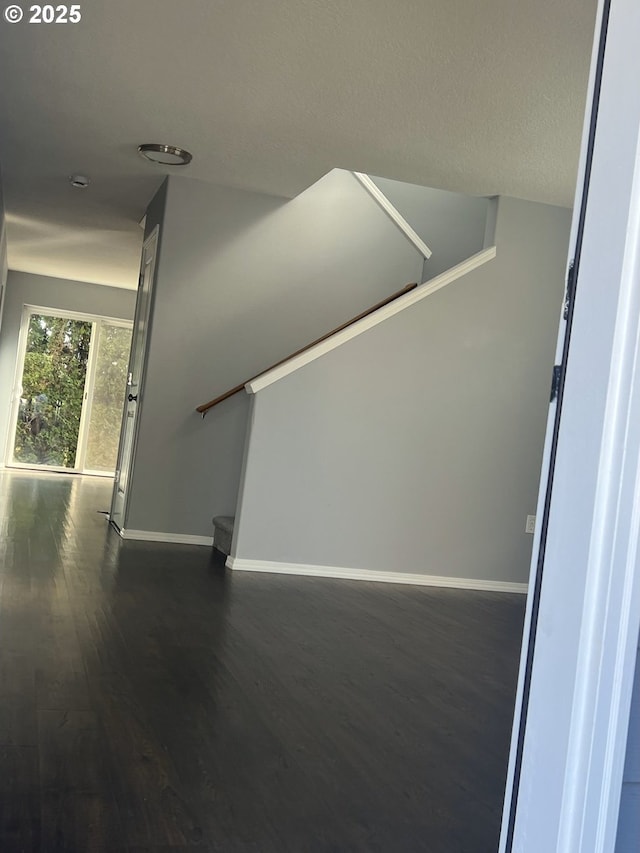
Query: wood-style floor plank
{"points": [[150, 701]]}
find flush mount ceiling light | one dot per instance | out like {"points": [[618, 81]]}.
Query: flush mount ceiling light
{"points": [[80, 182], [166, 155]]}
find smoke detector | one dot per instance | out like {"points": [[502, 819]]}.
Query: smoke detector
{"points": [[80, 182]]}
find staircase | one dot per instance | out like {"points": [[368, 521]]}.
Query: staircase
{"points": [[223, 533]]}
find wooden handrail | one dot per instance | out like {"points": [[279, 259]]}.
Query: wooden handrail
{"points": [[204, 408]]}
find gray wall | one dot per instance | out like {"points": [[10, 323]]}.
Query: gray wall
{"points": [[155, 214], [416, 447], [628, 840], [243, 280], [451, 224], [27, 289]]}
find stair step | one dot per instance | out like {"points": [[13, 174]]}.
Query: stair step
{"points": [[223, 533]]}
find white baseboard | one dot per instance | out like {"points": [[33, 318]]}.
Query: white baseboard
{"points": [[174, 538], [240, 565]]}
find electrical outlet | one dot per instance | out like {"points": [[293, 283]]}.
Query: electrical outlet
{"points": [[530, 526]]}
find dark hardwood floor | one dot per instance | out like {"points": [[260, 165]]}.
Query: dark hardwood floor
{"points": [[151, 702]]}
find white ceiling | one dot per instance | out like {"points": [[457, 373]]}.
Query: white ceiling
{"points": [[480, 96]]}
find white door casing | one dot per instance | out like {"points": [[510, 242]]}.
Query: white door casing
{"points": [[572, 709]]}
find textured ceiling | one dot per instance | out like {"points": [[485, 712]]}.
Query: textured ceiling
{"points": [[479, 96]]}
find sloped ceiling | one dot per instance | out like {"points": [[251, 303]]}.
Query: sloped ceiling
{"points": [[478, 96]]}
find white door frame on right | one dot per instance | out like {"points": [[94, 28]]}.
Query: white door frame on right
{"points": [[135, 383], [583, 612]]}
